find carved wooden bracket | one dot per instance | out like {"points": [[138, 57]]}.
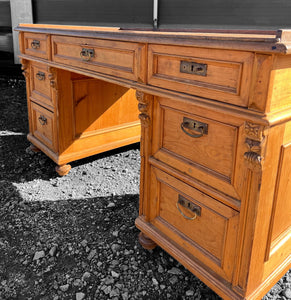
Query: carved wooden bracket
{"points": [[52, 76], [24, 67], [255, 142], [143, 107]]}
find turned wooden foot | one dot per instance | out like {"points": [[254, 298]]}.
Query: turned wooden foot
{"points": [[146, 242], [34, 148], [63, 170]]}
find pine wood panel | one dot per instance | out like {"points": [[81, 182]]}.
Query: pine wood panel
{"points": [[40, 86], [210, 158], [280, 224], [227, 78], [104, 104], [209, 237], [110, 57], [44, 126], [41, 51]]}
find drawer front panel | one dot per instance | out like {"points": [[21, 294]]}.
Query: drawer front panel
{"points": [[216, 74], [204, 142], [44, 126], [40, 85], [202, 225], [110, 57], [37, 44]]}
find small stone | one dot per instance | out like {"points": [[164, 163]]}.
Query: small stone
{"points": [[115, 247], [107, 290], [173, 280], [84, 243], [53, 251], [109, 280], [155, 282], [162, 286], [115, 233], [111, 204], [86, 276], [114, 293], [38, 255], [77, 282], [175, 271], [125, 296], [160, 269], [80, 296], [64, 287], [91, 254], [114, 274], [287, 293], [189, 293]]}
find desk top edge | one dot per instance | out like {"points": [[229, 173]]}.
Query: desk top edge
{"points": [[276, 41]]}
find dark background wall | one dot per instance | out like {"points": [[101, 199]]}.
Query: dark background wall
{"points": [[120, 13], [265, 14], [225, 13]]}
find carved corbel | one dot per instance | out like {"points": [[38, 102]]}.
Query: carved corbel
{"points": [[52, 76], [143, 107], [24, 67], [255, 143]]}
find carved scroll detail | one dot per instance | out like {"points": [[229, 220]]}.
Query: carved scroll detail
{"points": [[255, 142], [52, 76], [254, 131], [143, 107], [24, 67]]}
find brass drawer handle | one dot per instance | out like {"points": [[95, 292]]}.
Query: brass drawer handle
{"points": [[35, 44], [193, 125], [190, 206], [40, 75], [87, 54], [42, 120]]}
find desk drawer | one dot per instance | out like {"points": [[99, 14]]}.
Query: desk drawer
{"points": [[37, 44], [200, 224], [43, 126], [222, 75], [122, 59], [40, 88], [192, 143]]}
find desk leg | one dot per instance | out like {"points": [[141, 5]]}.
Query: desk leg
{"points": [[34, 148], [146, 242], [63, 170]]}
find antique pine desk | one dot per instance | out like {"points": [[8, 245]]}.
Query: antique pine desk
{"points": [[215, 110]]}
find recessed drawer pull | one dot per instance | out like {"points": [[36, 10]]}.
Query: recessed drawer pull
{"points": [[191, 67], [35, 44], [42, 120], [196, 126], [40, 76], [87, 54], [188, 205]]}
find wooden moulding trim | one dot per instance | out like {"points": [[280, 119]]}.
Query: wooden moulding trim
{"points": [[54, 156], [109, 129], [227, 200], [219, 285], [263, 288], [267, 43], [270, 119], [65, 158], [254, 116]]}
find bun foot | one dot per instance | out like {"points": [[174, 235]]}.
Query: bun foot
{"points": [[146, 242], [63, 170], [34, 148]]}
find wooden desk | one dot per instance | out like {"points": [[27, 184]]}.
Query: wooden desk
{"points": [[215, 110]]}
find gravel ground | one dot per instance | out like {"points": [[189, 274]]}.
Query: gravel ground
{"points": [[74, 237]]}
